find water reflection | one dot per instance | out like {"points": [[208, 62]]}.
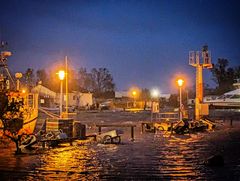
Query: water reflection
{"points": [[149, 157], [73, 162], [178, 162]]}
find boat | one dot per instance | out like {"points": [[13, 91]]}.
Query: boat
{"points": [[229, 99], [27, 111], [19, 108]]}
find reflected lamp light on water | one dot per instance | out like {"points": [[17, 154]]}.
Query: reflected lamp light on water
{"points": [[61, 74]]}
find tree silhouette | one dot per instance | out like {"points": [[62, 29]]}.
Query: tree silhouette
{"points": [[42, 77], [99, 81], [28, 78], [224, 76], [102, 80]]}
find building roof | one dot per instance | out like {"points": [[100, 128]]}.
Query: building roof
{"points": [[43, 91]]}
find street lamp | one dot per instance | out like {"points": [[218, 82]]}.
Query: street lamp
{"points": [[154, 103], [154, 93], [61, 75], [134, 93], [180, 84]]}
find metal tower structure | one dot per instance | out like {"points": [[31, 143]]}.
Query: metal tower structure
{"points": [[3, 64], [200, 60]]}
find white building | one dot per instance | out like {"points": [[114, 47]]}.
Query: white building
{"points": [[76, 99], [121, 94], [49, 98]]}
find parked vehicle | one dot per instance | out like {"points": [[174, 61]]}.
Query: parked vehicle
{"points": [[105, 105]]}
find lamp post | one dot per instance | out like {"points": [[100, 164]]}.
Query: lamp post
{"points": [[154, 105], [180, 84], [61, 75], [134, 93], [18, 76]]}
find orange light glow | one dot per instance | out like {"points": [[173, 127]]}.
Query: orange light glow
{"points": [[61, 74], [180, 82], [134, 93]]}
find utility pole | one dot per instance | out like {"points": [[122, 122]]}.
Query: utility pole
{"points": [[66, 67]]}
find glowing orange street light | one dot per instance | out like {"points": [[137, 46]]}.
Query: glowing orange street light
{"points": [[61, 75], [180, 84], [134, 93]]}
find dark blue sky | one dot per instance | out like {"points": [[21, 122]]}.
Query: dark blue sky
{"points": [[142, 43]]}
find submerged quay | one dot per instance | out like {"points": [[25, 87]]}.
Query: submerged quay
{"points": [[151, 156]]}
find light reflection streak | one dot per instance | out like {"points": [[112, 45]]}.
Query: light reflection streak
{"points": [[73, 162]]}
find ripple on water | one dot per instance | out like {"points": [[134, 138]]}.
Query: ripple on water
{"points": [[151, 156]]}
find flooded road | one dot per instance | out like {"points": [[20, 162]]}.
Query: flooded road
{"points": [[150, 157]]}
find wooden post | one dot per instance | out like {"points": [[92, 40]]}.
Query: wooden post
{"points": [[99, 130], [132, 133], [231, 121], [171, 128], [66, 64], [43, 144]]}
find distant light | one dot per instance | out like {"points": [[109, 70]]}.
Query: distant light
{"points": [[61, 74], [18, 75], [23, 91], [6, 54], [155, 93], [134, 93], [180, 82]]}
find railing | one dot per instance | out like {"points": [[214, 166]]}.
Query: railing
{"points": [[168, 116]]}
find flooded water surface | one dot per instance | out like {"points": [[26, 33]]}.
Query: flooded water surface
{"points": [[149, 157]]}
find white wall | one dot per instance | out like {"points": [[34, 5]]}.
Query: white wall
{"points": [[77, 99]]}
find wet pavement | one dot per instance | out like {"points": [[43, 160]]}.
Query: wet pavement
{"points": [[159, 156]]}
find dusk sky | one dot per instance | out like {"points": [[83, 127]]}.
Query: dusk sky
{"points": [[142, 43]]}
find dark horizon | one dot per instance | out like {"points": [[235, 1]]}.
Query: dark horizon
{"points": [[142, 43]]}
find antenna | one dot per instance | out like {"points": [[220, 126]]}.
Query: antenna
{"points": [[204, 60]]}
